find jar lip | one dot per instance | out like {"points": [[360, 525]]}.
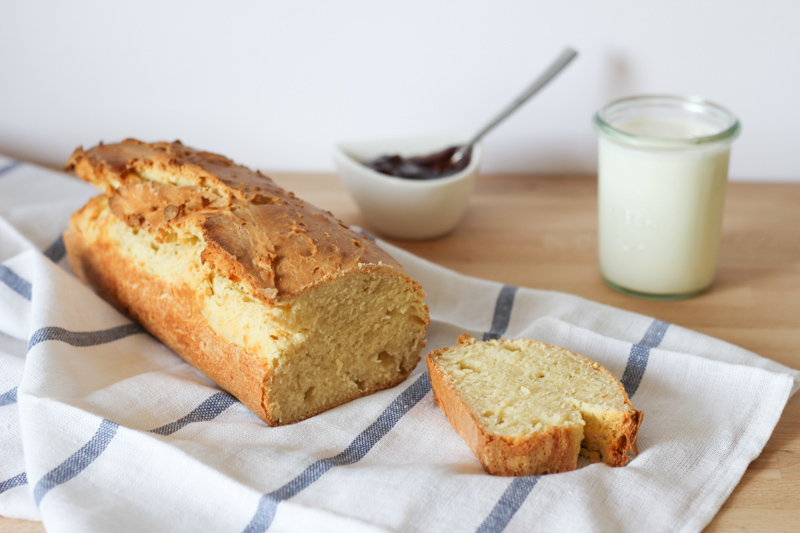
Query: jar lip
{"points": [[690, 105]]}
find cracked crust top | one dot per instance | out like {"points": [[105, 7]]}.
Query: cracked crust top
{"points": [[255, 232]]}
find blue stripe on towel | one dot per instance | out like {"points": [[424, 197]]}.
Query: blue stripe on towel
{"points": [[16, 481], [77, 462], [83, 338], [9, 167], [15, 283], [508, 504], [268, 505], [502, 313], [640, 354], [56, 251], [8, 397], [208, 410]]}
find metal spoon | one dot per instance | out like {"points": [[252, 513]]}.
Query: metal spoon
{"points": [[558, 65]]}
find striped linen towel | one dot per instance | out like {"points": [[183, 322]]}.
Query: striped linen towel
{"points": [[105, 429]]}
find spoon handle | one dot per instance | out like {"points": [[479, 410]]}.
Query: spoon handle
{"points": [[558, 65]]}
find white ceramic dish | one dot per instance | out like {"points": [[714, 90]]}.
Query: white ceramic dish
{"points": [[403, 208]]}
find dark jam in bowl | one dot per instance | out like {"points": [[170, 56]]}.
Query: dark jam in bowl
{"points": [[427, 167]]}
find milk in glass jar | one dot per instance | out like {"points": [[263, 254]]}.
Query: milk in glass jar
{"points": [[662, 172]]}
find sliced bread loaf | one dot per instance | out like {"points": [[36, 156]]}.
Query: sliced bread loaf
{"points": [[276, 300], [528, 408]]}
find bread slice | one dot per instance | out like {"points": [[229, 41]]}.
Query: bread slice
{"points": [[528, 408], [278, 302]]}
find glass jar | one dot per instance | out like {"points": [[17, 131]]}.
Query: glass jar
{"points": [[662, 173]]}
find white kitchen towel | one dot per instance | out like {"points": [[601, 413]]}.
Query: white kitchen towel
{"points": [[105, 429]]}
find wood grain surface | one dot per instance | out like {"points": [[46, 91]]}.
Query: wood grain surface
{"points": [[541, 232]]}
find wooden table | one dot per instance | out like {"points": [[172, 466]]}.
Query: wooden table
{"points": [[541, 232]]}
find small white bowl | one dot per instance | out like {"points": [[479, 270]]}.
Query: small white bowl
{"points": [[403, 208]]}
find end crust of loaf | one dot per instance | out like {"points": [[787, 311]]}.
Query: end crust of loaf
{"points": [[516, 435], [276, 301]]}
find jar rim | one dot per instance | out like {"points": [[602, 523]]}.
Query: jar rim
{"points": [[690, 105]]}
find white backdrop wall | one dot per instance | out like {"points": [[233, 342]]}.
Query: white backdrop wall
{"points": [[274, 84]]}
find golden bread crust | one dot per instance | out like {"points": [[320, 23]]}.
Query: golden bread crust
{"points": [[255, 232], [543, 453], [239, 227], [549, 451], [169, 317]]}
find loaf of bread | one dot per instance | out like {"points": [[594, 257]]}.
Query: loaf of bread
{"points": [[528, 408], [278, 302]]}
